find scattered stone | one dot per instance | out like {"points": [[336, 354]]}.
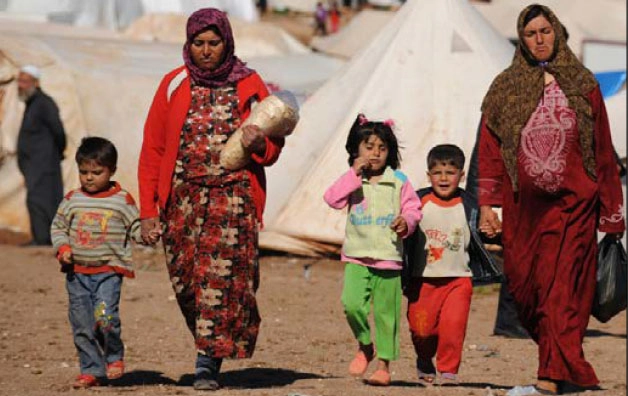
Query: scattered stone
{"points": [[36, 371], [26, 365], [65, 365]]}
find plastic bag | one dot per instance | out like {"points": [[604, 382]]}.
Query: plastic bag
{"points": [[611, 293]]}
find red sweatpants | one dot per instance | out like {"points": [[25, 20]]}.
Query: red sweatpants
{"points": [[438, 311]]}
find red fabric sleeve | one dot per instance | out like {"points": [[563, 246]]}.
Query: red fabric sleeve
{"points": [[609, 186], [491, 169], [153, 147]]}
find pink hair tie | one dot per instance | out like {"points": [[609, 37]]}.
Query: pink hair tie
{"points": [[362, 119], [389, 123]]}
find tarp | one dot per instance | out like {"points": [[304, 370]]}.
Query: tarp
{"points": [[103, 87], [611, 82], [428, 70]]}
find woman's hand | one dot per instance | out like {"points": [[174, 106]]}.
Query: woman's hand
{"points": [[253, 139], [489, 222], [400, 226], [617, 235], [150, 230], [360, 164]]}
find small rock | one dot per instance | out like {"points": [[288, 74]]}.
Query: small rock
{"points": [[171, 298], [482, 348], [36, 371], [26, 365], [473, 347], [65, 365]]}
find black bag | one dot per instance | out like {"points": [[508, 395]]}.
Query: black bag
{"points": [[611, 294]]}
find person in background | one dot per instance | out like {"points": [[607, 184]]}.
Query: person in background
{"points": [[334, 17], [546, 158], [40, 146], [320, 19]]}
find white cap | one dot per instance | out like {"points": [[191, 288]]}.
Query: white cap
{"points": [[31, 70]]}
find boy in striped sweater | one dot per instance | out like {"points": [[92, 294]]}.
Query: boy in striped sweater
{"points": [[89, 234]]}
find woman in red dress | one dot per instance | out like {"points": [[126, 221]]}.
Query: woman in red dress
{"points": [[546, 158], [208, 216]]}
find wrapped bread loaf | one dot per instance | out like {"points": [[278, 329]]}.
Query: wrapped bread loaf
{"points": [[276, 116]]}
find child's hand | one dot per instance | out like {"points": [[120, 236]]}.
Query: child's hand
{"points": [[360, 164], [489, 222], [400, 226], [65, 258]]}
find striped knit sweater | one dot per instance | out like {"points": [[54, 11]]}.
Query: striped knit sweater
{"points": [[94, 228]]}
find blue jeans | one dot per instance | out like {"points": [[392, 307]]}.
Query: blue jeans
{"points": [[95, 318]]}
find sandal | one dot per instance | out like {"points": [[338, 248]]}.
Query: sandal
{"points": [[379, 378], [85, 381], [425, 371], [115, 370], [546, 387]]}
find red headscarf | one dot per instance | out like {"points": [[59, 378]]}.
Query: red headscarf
{"points": [[232, 69]]}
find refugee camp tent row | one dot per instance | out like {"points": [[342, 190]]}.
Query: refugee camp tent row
{"points": [[117, 14], [432, 99], [103, 85]]}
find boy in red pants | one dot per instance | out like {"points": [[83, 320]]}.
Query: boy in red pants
{"points": [[442, 257]]}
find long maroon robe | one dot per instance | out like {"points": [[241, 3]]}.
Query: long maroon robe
{"points": [[550, 224]]}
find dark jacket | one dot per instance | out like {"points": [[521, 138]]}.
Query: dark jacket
{"points": [[41, 140], [483, 266]]}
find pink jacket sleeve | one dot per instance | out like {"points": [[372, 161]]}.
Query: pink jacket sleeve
{"points": [[410, 207], [337, 196]]}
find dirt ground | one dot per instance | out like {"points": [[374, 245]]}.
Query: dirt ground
{"points": [[304, 347]]}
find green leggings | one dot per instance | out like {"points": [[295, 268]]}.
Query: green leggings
{"points": [[382, 287]]}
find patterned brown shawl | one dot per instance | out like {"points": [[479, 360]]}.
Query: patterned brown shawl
{"points": [[515, 93]]}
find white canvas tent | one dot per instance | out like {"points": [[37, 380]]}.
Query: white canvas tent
{"points": [[428, 70], [356, 35], [616, 109], [104, 86]]}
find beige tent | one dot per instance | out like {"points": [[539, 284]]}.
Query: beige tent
{"points": [[584, 19], [358, 33], [252, 39], [104, 86], [428, 70]]}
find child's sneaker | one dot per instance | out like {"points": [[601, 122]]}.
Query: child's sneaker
{"points": [[425, 371], [85, 381], [115, 370], [360, 363]]}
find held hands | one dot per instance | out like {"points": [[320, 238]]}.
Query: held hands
{"points": [[253, 139], [400, 226], [65, 258], [361, 164], [150, 230], [489, 222]]}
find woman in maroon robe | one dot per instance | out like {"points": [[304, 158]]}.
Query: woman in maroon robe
{"points": [[546, 158]]}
